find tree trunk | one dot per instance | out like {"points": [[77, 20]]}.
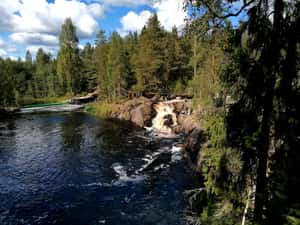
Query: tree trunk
{"points": [[195, 55], [260, 194], [272, 63]]}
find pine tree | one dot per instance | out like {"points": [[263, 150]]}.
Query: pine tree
{"points": [[100, 55], [89, 75], [131, 43], [116, 65], [177, 56], [149, 61], [28, 57], [7, 84], [68, 61]]}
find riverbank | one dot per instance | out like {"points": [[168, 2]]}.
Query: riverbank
{"points": [[103, 110], [46, 108], [29, 101], [5, 111], [165, 117]]}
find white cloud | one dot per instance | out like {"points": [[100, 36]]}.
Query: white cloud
{"points": [[170, 13], [15, 58], [80, 46], [11, 48], [39, 16], [128, 3], [36, 23], [6, 47], [34, 38], [2, 52], [135, 22]]}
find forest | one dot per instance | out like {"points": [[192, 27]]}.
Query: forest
{"points": [[245, 83], [154, 60]]}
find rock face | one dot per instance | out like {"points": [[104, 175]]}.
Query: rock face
{"points": [[139, 111]]}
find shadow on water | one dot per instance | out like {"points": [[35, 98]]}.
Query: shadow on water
{"points": [[75, 169]]}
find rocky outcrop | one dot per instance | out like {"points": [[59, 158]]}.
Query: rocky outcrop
{"points": [[139, 111], [176, 116]]}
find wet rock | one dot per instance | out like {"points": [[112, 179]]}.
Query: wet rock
{"points": [[158, 162], [175, 117], [142, 115], [138, 110], [188, 124], [182, 106], [197, 198], [168, 120], [192, 144]]}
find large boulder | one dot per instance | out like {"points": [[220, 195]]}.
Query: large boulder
{"points": [[183, 106], [192, 144], [142, 115], [138, 110], [187, 123]]}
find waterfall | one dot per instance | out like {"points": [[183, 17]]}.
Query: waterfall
{"points": [[165, 118]]}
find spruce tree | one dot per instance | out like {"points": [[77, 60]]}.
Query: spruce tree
{"points": [[100, 55], [68, 61], [116, 67], [149, 61], [89, 76]]}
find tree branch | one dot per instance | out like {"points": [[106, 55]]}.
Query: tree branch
{"points": [[210, 9]]}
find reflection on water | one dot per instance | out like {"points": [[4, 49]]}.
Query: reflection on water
{"points": [[76, 169]]}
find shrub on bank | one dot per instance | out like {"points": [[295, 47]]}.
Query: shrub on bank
{"points": [[101, 109]]}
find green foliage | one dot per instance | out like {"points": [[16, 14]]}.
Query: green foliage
{"points": [[261, 122], [209, 59], [101, 52], [68, 60], [45, 78], [88, 69], [116, 66], [28, 57], [102, 109], [149, 65], [27, 100], [7, 89], [221, 168], [153, 61]]}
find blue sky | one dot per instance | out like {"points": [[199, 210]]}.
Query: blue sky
{"points": [[31, 24]]}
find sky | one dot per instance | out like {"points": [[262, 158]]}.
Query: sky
{"points": [[33, 24]]}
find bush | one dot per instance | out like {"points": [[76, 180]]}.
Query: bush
{"points": [[102, 109]]}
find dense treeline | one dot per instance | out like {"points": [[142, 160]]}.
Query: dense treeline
{"points": [[154, 60]]}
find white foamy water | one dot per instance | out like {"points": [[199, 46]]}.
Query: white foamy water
{"points": [[159, 122], [123, 177]]}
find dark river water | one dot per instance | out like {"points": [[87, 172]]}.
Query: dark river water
{"points": [[76, 169]]}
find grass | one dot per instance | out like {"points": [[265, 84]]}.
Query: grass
{"points": [[43, 105], [101, 109]]}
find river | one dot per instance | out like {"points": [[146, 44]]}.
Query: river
{"points": [[76, 169]]}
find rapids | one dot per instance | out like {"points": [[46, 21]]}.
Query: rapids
{"points": [[75, 169]]}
